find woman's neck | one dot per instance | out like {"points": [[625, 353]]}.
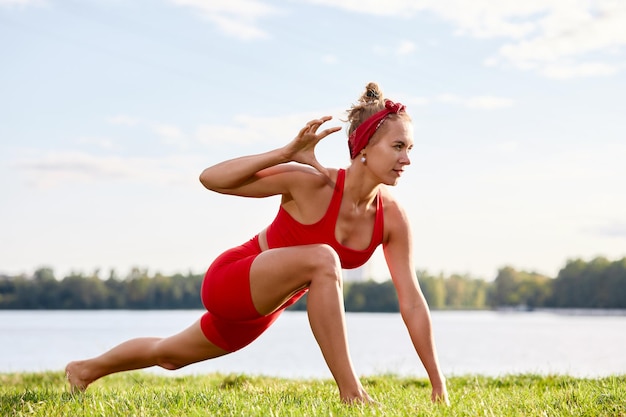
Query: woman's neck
{"points": [[359, 190]]}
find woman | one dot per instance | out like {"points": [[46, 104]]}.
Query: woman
{"points": [[329, 219]]}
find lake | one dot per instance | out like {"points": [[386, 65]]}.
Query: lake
{"points": [[577, 343]]}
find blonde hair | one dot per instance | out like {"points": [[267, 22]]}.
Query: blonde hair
{"points": [[371, 102]]}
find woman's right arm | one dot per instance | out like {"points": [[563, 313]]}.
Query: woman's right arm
{"points": [[261, 175], [241, 176]]}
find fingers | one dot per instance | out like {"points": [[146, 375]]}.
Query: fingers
{"points": [[313, 125], [440, 398], [328, 131], [308, 138], [319, 121]]}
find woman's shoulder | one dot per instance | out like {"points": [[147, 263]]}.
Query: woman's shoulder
{"points": [[309, 176], [393, 210], [308, 191], [389, 200], [301, 169], [304, 181]]}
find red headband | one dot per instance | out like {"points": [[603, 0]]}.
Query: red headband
{"points": [[361, 136]]}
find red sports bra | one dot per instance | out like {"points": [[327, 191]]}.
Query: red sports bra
{"points": [[286, 231]]}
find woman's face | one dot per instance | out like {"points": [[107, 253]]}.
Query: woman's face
{"points": [[387, 154]]}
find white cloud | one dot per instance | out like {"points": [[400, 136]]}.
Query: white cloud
{"points": [[102, 143], [9, 3], [401, 48], [489, 19], [449, 98], [615, 229], [375, 7], [237, 18], [167, 131], [170, 134], [589, 169], [566, 37], [476, 102], [238, 28], [586, 69], [552, 37], [417, 101], [330, 59], [488, 102], [54, 168], [508, 146], [247, 129], [123, 120], [549, 36], [405, 48], [558, 35], [479, 18]]}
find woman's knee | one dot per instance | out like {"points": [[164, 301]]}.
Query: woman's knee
{"points": [[325, 263], [170, 366], [164, 357]]}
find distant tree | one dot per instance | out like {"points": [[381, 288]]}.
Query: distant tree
{"points": [[614, 289], [595, 284], [116, 291], [598, 283], [190, 285], [571, 286], [8, 292], [520, 288], [456, 292], [434, 289], [79, 292], [138, 289], [535, 289], [354, 299], [45, 288], [465, 292], [378, 297], [505, 288]]}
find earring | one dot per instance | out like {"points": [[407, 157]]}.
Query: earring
{"points": [[363, 159]]}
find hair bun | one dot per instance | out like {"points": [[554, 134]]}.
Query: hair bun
{"points": [[372, 94]]}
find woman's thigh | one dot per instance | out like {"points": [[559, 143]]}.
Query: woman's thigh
{"points": [[278, 274]]}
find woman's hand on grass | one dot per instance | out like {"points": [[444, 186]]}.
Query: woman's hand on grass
{"points": [[440, 396]]}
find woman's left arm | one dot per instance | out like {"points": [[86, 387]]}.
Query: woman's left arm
{"points": [[413, 306]]}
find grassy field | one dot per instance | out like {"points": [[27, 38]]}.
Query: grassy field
{"points": [[146, 394]]}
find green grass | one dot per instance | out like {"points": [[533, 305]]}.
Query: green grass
{"points": [[146, 394]]}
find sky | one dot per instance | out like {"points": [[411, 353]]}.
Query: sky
{"points": [[110, 109]]}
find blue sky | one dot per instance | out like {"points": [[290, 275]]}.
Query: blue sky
{"points": [[110, 109]]}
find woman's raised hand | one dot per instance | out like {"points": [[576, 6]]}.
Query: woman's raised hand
{"points": [[302, 148]]}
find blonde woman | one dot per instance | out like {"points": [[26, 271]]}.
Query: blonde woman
{"points": [[328, 219]]}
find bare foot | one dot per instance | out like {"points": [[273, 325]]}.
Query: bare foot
{"points": [[73, 376], [361, 397]]}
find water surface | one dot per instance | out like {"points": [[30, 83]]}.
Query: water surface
{"points": [[485, 342]]}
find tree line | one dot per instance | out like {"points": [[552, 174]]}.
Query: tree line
{"points": [[598, 283]]}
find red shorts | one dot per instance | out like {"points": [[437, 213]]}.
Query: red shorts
{"points": [[231, 321]]}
